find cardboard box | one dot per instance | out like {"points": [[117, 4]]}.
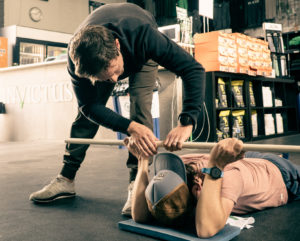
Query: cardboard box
{"points": [[240, 39], [216, 51], [3, 52], [212, 61], [215, 36]]}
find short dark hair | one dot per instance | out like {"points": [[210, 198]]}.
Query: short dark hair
{"points": [[91, 50]]}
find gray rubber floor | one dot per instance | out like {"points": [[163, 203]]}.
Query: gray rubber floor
{"points": [[101, 186]]}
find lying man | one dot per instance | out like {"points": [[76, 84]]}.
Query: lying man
{"points": [[224, 182]]}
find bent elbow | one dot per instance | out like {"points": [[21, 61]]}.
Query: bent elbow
{"points": [[140, 218], [208, 231]]}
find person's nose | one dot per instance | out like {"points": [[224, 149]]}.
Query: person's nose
{"points": [[114, 78]]}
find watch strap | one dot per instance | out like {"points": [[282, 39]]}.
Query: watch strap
{"points": [[186, 120], [208, 171]]}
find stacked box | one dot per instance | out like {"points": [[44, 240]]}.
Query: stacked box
{"points": [[256, 52], [236, 52], [253, 60], [264, 63], [232, 54], [216, 51], [242, 53]]}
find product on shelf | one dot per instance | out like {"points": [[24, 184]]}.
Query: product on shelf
{"points": [[279, 123], [251, 94], [260, 120], [269, 124], [267, 96], [222, 93], [219, 135], [224, 123], [238, 130], [254, 123], [237, 92], [278, 102]]}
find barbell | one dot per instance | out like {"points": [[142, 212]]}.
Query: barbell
{"points": [[193, 145]]}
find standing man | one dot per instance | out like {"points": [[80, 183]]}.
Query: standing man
{"points": [[114, 42]]}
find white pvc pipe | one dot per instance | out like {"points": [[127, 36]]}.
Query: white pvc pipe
{"points": [[194, 145]]}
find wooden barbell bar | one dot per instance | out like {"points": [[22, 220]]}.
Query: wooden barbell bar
{"points": [[194, 145]]}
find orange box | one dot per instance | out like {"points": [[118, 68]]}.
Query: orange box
{"points": [[215, 36], [231, 40], [211, 47], [212, 61], [216, 51], [264, 45], [240, 39], [215, 66], [243, 65], [3, 52], [252, 72]]}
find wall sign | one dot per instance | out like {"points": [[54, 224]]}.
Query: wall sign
{"points": [[37, 94]]}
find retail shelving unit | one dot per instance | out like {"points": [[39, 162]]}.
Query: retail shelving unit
{"points": [[283, 89]]}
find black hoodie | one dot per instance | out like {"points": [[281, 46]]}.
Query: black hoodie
{"points": [[140, 41]]}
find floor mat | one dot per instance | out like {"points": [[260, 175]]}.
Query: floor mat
{"points": [[227, 233]]}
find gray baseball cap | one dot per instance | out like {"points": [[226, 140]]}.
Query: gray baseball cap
{"points": [[167, 194]]}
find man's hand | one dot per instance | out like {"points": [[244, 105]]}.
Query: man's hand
{"points": [[142, 140], [226, 151], [177, 136], [133, 149]]}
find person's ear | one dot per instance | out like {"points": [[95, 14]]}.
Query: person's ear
{"points": [[117, 43]]}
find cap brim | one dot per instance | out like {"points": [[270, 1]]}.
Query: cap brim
{"points": [[161, 185], [170, 161]]}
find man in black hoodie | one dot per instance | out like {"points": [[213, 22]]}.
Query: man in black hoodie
{"points": [[114, 42]]}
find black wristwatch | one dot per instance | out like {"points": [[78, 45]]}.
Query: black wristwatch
{"points": [[186, 120], [214, 172]]}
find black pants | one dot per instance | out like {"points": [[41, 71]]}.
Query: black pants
{"points": [[141, 87]]}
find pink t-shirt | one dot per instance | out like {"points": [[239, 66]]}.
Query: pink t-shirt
{"points": [[251, 183]]}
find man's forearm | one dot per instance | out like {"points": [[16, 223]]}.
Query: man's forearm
{"points": [[140, 212], [212, 210], [210, 216]]}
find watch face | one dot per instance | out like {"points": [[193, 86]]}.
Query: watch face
{"points": [[215, 172], [35, 14]]}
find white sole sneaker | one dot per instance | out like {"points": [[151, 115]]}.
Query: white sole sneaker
{"points": [[58, 188], [126, 211], [53, 198]]}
